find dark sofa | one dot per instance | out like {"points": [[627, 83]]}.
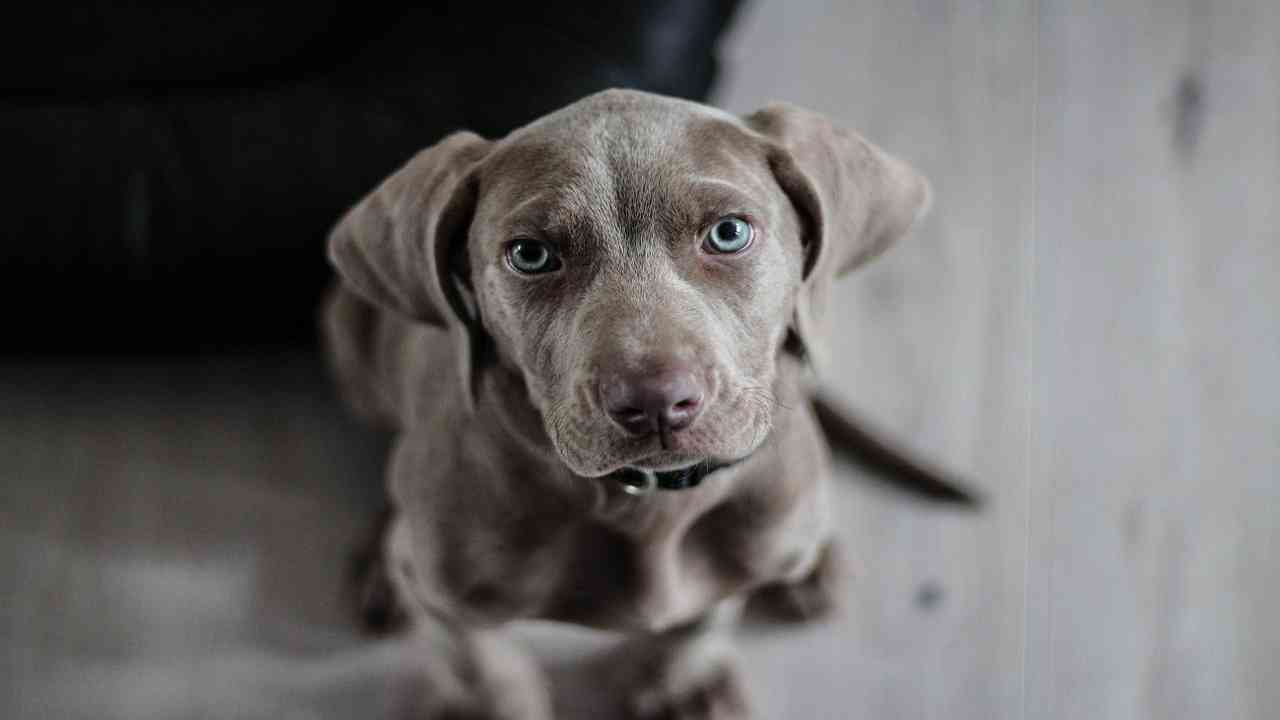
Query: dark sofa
{"points": [[170, 174]]}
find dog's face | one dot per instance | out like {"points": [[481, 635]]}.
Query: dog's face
{"points": [[630, 257], [639, 261]]}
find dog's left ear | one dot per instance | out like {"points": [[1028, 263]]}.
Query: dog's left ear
{"points": [[403, 247], [854, 200]]}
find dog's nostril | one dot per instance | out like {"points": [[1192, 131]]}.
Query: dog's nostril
{"points": [[657, 402], [681, 414]]}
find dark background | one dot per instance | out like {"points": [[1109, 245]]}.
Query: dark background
{"points": [[170, 173]]}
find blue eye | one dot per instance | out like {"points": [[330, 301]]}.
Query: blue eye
{"points": [[729, 234], [532, 257]]}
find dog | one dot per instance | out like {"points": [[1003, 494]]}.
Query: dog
{"points": [[598, 341]]}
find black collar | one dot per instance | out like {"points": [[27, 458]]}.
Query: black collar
{"points": [[638, 482]]}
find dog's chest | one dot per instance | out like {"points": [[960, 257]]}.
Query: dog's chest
{"points": [[644, 563], [652, 570]]}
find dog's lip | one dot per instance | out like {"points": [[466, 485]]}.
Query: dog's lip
{"points": [[655, 463], [651, 463], [638, 482], [650, 457], [662, 462]]}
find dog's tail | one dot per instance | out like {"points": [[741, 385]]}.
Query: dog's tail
{"points": [[851, 438]]}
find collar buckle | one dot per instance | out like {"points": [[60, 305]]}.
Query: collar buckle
{"points": [[637, 482]]}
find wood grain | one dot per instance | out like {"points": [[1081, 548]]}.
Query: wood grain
{"points": [[934, 343], [1087, 324]]}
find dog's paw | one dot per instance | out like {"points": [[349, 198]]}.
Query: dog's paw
{"points": [[368, 590], [377, 608], [462, 712], [808, 599], [455, 674], [678, 676], [475, 711], [716, 694], [475, 706]]}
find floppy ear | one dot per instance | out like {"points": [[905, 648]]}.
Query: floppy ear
{"points": [[401, 247], [853, 198]]}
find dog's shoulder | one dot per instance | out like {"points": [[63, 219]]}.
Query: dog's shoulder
{"points": [[391, 371], [487, 532]]}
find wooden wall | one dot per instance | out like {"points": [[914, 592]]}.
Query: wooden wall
{"points": [[1088, 325]]}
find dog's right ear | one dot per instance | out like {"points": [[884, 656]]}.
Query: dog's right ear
{"points": [[402, 246], [854, 199], [395, 246]]}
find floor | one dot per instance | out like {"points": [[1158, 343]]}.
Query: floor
{"points": [[1086, 326]]}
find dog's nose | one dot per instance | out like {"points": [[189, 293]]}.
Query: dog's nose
{"points": [[653, 402]]}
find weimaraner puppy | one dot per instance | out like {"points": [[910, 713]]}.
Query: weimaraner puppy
{"points": [[596, 339]]}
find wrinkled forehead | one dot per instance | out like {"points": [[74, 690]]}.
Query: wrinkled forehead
{"points": [[621, 170]]}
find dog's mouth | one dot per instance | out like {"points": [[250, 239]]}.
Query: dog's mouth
{"points": [[639, 480], [591, 450]]}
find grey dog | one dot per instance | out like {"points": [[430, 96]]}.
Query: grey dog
{"points": [[597, 340]]}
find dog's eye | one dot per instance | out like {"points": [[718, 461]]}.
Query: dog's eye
{"points": [[532, 257], [730, 234]]}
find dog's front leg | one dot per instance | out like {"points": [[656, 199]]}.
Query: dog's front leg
{"points": [[473, 674], [684, 673]]}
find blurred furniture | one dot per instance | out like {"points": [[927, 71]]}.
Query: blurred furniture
{"points": [[171, 173]]}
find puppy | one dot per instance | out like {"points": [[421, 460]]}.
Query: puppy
{"points": [[595, 339]]}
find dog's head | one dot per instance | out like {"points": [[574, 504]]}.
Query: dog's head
{"points": [[639, 262]]}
